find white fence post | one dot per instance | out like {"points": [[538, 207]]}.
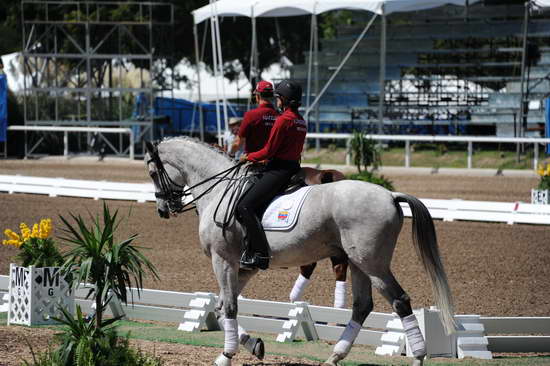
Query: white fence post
{"points": [[66, 144], [300, 318], [407, 154], [131, 143], [438, 343], [202, 313], [4, 308], [471, 341], [393, 340]]}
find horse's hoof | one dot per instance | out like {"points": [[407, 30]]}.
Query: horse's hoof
{"points": [[333, 359], [418, 362], [256, 347], [259, 349], [222, 360]]}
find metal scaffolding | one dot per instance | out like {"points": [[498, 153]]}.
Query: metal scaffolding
{"points": [[97, 64]]}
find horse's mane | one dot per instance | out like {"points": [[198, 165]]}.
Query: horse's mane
{"points": [[198, 142]]}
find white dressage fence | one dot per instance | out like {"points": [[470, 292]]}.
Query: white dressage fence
{"points": [[448, 210], [469, 140], [194, 312]]}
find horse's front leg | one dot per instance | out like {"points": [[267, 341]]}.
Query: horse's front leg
{"points": [[227, 276], [252, 344]]}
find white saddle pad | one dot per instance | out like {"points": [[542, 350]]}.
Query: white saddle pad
{"points": [[283, 211]]}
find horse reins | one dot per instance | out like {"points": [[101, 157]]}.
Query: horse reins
{"points": [[175, 197]]}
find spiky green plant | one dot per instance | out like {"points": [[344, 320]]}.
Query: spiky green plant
{"points": [[365, 152], [96, 257], [82, 340]]}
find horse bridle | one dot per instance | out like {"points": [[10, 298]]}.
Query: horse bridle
{"points": [[174, 196]]}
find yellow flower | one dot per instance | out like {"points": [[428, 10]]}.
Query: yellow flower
{"points": [[14, 240], [25, 231], [45, 228], [543, 171], [12, 235], [35, 231]]}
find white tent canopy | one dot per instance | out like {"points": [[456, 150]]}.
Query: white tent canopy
{"points": [[286, 8]]}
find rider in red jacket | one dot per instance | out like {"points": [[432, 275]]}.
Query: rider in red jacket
{"points": [[257, 123], [282, 153]]}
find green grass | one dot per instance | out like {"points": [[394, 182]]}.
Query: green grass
{"points": [[431, 155], [314, 351]]}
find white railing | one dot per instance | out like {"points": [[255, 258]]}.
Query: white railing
{"points": [[53, 187], [67, 129], [447, 210], [282, 318], [470, 140]]}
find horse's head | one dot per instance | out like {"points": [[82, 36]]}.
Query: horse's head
{"points": [[167, 181]]}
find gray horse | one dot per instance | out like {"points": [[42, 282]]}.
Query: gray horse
{"points": [[359, 220]]}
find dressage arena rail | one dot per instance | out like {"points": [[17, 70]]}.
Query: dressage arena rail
{"points": [[470, 140], [194, 312], [447, 210]]}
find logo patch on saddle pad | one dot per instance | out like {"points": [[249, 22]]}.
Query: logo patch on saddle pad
{"points": [[283, 216], [283, 211]]}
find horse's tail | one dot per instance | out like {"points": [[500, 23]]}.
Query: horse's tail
{"points": [[425, 244]]}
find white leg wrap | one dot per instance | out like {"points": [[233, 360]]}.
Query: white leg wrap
{"points": [[347, 338], [414, 336], [299, 288], [340, 295], [231, 344], [222, 360]]}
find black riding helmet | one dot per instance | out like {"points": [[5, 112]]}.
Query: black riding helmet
{"points": [[290, 90]]}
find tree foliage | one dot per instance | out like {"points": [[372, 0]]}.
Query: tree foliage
{"points": [[277, 37]]}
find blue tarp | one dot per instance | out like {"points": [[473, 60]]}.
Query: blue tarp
{"points": [[184, 119], [3, 106], [547, 115]]}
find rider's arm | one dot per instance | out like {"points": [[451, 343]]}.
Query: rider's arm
{"points": [[237, 143]]}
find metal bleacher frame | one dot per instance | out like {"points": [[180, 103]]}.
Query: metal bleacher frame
{"points": [[415, 43], [61, 86]]}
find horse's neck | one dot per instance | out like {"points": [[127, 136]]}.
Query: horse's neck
{"points": [[197, 163]]}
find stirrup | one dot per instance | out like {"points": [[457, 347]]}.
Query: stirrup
{"points": [[251, 262]]}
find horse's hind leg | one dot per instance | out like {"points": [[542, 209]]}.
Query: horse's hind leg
{"points": [[401, 304], [340, 269], [362, 306], [302, 282]]}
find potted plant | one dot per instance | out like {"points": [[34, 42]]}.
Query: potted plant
{"points": [[37, 290], [540, 195]]}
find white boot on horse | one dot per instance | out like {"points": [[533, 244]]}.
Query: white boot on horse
{"points": [[355, 219]]}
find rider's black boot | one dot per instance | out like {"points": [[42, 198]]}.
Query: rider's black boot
{"points": [[256, 253]]}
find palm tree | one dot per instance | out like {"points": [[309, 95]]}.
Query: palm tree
{"points": [[96, 257]]}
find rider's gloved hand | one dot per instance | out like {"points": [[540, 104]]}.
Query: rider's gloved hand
{"points": [[243, 158]]}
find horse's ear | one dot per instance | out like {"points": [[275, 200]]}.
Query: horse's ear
{"points": [[150, 148]]}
